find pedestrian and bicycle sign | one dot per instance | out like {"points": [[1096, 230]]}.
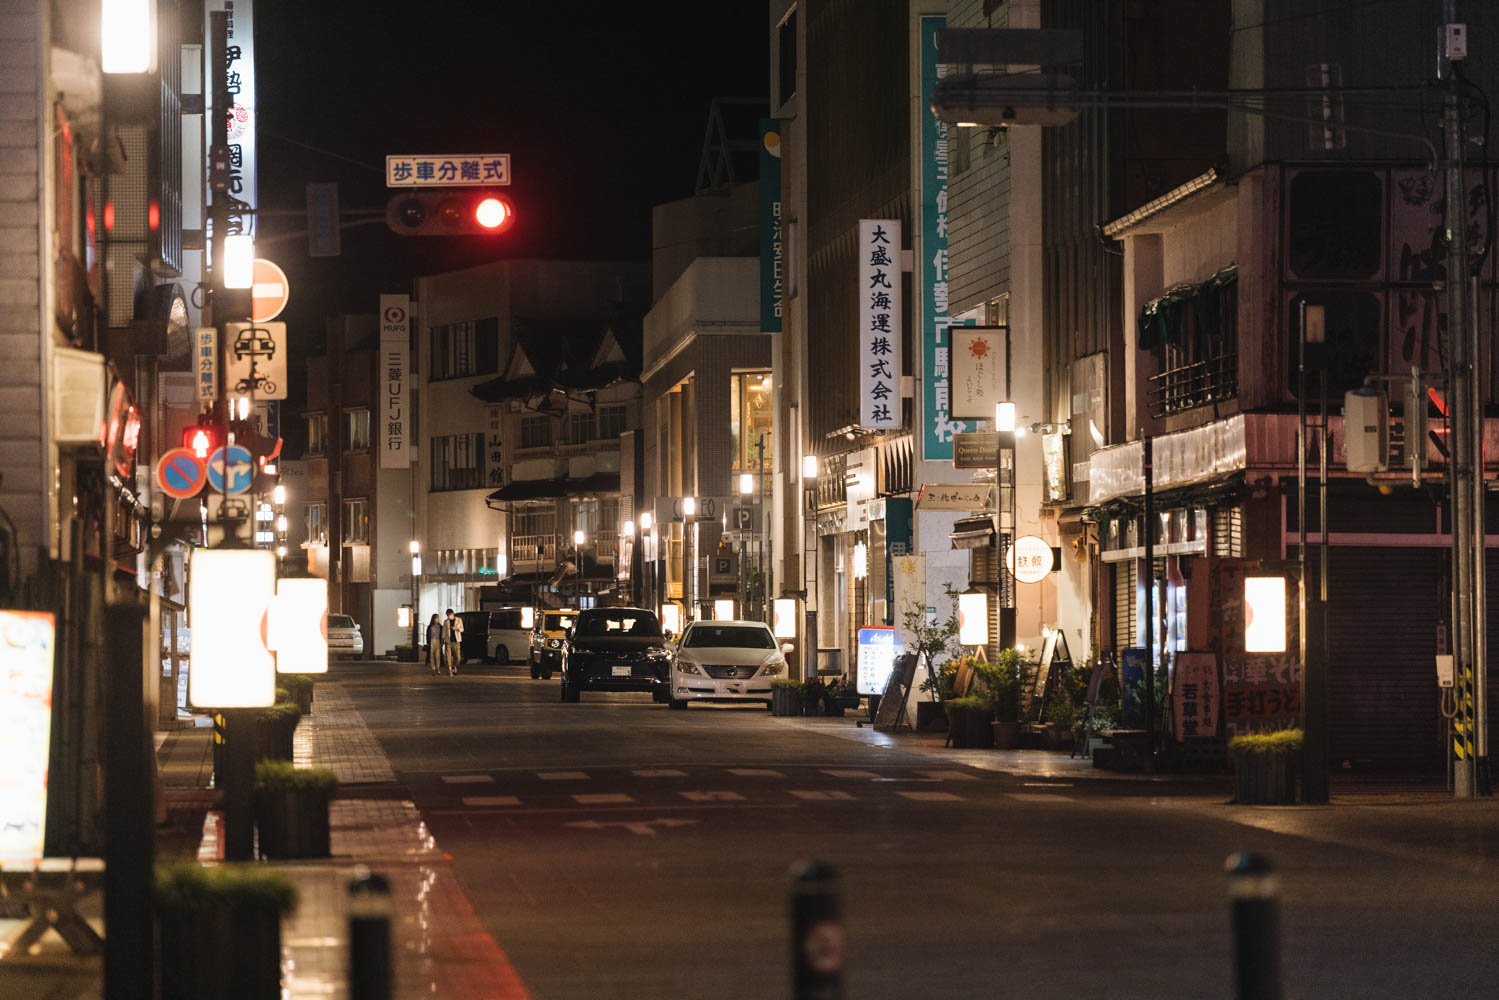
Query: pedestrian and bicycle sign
{"points": [[231, 470], [180, 473]]}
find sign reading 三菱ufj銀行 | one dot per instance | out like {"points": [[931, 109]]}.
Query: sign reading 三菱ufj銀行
{"points": [[239, 60], [772, 246], [394, 412], [936, 417], [447, 170], [26, 640], [879, 647], [879, 323]]}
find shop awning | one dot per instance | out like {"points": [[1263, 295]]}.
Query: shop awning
{"points": [[555, 489], [973, 532]]}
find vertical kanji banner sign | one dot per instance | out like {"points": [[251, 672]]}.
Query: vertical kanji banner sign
{"points": [[772, 243], [879, 324], [393, 412]]}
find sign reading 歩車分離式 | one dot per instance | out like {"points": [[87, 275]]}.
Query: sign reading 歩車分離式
{"points": [[879, 330], [447, 170]]}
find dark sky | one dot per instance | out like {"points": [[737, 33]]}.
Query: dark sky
{"points": [[601, 105]]}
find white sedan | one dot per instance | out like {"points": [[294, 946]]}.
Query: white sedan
{"points": [[725, 661]]}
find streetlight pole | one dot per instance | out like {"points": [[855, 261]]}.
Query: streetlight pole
{"points": [[416, 610], [809, 485], [1004, 511]]}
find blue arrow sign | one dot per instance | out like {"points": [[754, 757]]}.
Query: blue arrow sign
{"points": [[233, 476]]}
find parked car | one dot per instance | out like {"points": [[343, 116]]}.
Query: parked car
{"points": [[547, 637], [344, 638], [725, 661], [492, 636], [616, 649]]}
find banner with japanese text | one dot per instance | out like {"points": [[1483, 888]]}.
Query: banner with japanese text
{"points": [[393, 412], [879, 324], [772, 240]]}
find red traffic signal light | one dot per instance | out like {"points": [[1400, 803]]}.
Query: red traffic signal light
{"points": [[450, 212], [200, 440]]}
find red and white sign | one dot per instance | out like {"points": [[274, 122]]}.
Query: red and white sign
{"points": [[269, 292], [180, 473]]}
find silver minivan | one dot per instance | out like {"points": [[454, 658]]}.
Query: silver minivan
{"points": [[494, 636]]}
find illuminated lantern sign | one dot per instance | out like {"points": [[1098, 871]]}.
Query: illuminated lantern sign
{"points": [[26, 644], [973, 619], [1264, 614], [785, 617], [723, 610], [229, 595], [298, 627]]}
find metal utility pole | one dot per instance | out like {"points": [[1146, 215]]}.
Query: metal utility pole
{"points": [[1312, 607], [1150, 612], [1469, 736]]}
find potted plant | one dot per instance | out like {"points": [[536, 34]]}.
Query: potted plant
{"points": [[291, 809], [1061, 718], [1003, 677], [300, 686], [1266, 766], [221, 931], [970, 721], [812, 692], [275, 727], [934, 639], [785, 697]]}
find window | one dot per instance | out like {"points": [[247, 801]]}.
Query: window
{"points": [[786, 44], [533, 521], [728, 636], [611, 422], [586, 518], [357, 430], [456, 460], [317, 433], [580, 427], [356, 522], [750, 420], [535, 432], [471, 347], [1336, 221], [316, 517]]}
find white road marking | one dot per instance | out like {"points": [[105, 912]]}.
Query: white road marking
{"points": [[641, 828], [562, 775], [949, 775], [466, 779], [659, 772], [603, 799], [1039, 797], [1046, 784], [755, 772], [478, 801], [822, 794], [931, 796], [712, 796], [850, 774]]}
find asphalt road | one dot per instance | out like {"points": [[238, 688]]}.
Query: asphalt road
{"points": [[616, 849]]}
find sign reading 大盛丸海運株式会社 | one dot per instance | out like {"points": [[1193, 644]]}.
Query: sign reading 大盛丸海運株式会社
{"points": [[879, 324]]}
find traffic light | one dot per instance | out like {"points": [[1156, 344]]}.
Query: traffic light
{"points": [[200, 439], [439, 212]]}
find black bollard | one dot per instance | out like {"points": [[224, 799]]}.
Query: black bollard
{"points": [[369, 936], [1252, 892], [817, 942]]}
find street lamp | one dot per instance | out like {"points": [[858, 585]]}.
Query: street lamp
{"points": [[809, 484], [239, 261], [579, 537], [1004, 511], [746, 483], [125, 38], [416, 607]]}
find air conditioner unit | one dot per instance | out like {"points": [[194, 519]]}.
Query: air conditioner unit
{"points": [[1366, 431]]}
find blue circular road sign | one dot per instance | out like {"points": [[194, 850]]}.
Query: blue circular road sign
{"points": [[233, 473]]}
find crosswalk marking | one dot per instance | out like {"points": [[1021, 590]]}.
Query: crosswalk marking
{"points": [[755, 772], [931, 796], [712, 796], [821, 795], [466, 779], [850, 774], [479, 801], [603, 799], [1040, 797], [659, 772], [949, 775], [562, 775]]}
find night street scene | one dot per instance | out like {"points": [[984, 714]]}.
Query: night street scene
{"points": [[748, 499]]}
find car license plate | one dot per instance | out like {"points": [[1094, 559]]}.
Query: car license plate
{"points": [[621, 670]]}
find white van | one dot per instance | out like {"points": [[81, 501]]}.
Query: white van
{"points": [[495, 636]]}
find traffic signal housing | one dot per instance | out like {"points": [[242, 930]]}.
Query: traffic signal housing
{"points": [[450, 212], [200, 439]]}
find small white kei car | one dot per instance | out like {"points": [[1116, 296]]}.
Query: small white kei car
{"points": [[725, 661]]}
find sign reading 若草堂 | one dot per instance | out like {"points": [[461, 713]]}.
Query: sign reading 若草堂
{"points": [[879, 324], [393, 411]]}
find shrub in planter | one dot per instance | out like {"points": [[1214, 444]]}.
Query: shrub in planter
{"points": [[785, 697], [834, 700], [812, 692], [221, 931], [300, 686], [274, 728], [968, 721], [1266, 767], [291, 809]]}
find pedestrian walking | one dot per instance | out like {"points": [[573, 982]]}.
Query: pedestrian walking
{"points": [[434, 645], [453, 633]]}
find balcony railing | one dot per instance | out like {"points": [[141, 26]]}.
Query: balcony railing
{"points": [[526, 549], [606, 547], [1201, 383]]}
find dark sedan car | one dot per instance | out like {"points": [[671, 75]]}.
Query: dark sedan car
{"points": [[616, 649]]}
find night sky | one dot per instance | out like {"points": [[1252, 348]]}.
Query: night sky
{"points": [[602, 107]]}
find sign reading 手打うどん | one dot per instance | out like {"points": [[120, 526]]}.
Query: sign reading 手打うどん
{"points": [[879, 324], [447, 170]]}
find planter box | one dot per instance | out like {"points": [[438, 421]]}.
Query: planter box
{"points": [[930, 717], [970, 729], [1265, 779], [273, 740], [785, 702], [303, 698], [1006, 735], [219, 951], [292, 824]]}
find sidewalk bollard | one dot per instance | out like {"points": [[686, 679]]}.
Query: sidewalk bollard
{"points": [[369, 936], [1252, 892], [817, 942]]}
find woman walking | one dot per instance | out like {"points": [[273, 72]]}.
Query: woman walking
{"points": [[434, 645]]}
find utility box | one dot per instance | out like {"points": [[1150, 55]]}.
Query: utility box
{"points": [[1366, 431]]}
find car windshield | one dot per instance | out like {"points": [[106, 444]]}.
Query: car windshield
{"points": [[556, 623], [631, 623], [731, 636], [340, 621]]}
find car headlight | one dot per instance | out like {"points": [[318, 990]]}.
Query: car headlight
{"points": [[773, 667], [658, 653], [555, 643], [687, 667]]}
